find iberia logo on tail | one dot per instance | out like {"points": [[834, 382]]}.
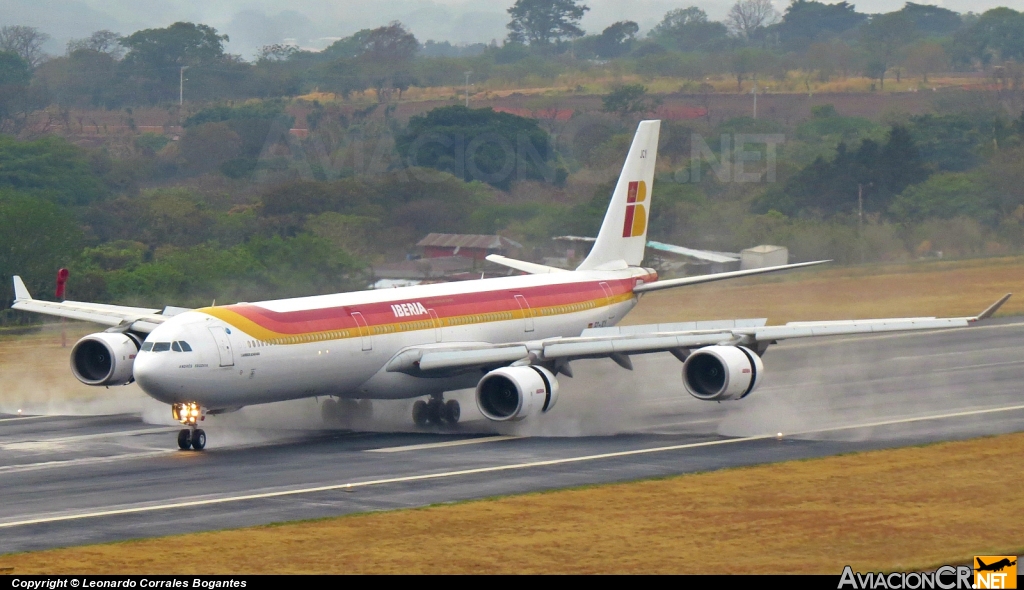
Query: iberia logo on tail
{"points": [[636, 214]]}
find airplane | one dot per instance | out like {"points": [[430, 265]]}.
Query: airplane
{"points": [[994, 567], [507, 337]]}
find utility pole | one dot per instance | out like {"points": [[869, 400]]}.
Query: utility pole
{"points": [[181, 86], [468, 74], [755, 96]]}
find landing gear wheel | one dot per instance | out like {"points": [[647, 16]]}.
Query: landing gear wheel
{"points": [[420, 415], [184, 439], [329, 411], [452, 412], [199, 439], [435, 410]]}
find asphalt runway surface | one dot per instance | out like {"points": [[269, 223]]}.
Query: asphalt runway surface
{"points": [[70, 480]]}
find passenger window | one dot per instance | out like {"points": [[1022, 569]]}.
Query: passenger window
{"points": [[175, 347], [185, 347], [161, 347], [147, 346]]}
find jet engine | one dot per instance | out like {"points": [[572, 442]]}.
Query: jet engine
{"points": [[716, 373], [105, 358], [514, 393]]}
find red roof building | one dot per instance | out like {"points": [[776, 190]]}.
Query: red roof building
{"points": [[472, 246]]}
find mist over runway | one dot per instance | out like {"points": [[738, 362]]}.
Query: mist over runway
{"points": [[69, 480]]}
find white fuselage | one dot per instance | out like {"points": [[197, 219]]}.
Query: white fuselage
{"points": [[338, 345]]}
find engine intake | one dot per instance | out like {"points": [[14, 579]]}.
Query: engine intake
{"points": [[514, 393], [716, 373], [104, 358]]}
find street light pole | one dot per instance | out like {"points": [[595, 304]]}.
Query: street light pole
{"points": [[181, 86], [468, 74]]}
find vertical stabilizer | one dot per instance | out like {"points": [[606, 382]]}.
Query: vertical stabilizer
{"points": [[624, 230]]}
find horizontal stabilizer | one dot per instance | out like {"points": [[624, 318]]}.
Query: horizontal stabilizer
{"points": [[527, 267]]}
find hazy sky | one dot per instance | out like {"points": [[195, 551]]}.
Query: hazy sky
{"points": [[315, 23]]}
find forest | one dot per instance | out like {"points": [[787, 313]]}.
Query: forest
{"points": [[162, 170]]}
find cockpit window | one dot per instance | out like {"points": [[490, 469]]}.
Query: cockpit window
{"points": [[175, 347], [147, 346], [184, 346], [161, 346]]}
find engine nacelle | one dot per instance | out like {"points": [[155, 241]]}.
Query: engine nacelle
{"points": [[105, 358], [716, 373], [514, 393]]}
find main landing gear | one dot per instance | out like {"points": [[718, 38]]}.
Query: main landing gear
{"points": [[343, 412], [190, 414], [436, 411]]}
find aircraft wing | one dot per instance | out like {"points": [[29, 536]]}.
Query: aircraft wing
{"points": [[618, 343], [137, 319]]}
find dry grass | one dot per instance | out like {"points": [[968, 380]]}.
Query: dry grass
{"points": [[885, 510], [937, 288]]}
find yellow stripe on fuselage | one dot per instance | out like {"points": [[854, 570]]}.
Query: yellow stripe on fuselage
{"points": [[268, 336]]}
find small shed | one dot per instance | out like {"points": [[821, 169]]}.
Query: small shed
{"points": [[763, 257], [473, 246]]}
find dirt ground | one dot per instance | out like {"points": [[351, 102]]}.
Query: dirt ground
{"points": [[903, 509]]}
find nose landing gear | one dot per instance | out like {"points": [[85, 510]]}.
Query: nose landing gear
{"points": [[436, 411], [189, 414]]}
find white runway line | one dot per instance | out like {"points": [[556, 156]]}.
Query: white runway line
{"points": [[480, 470], [20, 418], [82, 461], [80, 437], [451, 443]]}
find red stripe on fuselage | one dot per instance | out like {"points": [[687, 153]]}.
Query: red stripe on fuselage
{"points": [[339, 318]]}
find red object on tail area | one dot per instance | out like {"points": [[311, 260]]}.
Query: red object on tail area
{"points": [[62, 279]]}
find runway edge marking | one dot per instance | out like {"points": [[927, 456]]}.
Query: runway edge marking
{"points": [[479, 470], [450, 443]]}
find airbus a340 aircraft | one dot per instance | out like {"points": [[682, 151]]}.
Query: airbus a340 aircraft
{"points": [[508, 337]]}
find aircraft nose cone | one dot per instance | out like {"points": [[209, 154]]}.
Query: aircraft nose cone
{"points": [[148, 372]]}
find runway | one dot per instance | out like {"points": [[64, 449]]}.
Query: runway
{"points": [[70, 480]]}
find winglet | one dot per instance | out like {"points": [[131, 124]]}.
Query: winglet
{"points": [[992, 309], [20, 291]]}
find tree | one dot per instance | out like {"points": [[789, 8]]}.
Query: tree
{"points": [[885, 36], [14, 79], [104, 41], [746, 17], [932, 20], [53, 169], [27, 42], [628, 99], [688, 29], [480, 144], [617, 39], [996, 36], [542, 22], [38, 237], [926, 58], [386, 56], [807, 21], [156, 55]]}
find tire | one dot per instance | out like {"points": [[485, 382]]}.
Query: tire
{"points": [[420, 415], [329, 411], [435, 411], [199, 439], [184, 439], [452, 412]]}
